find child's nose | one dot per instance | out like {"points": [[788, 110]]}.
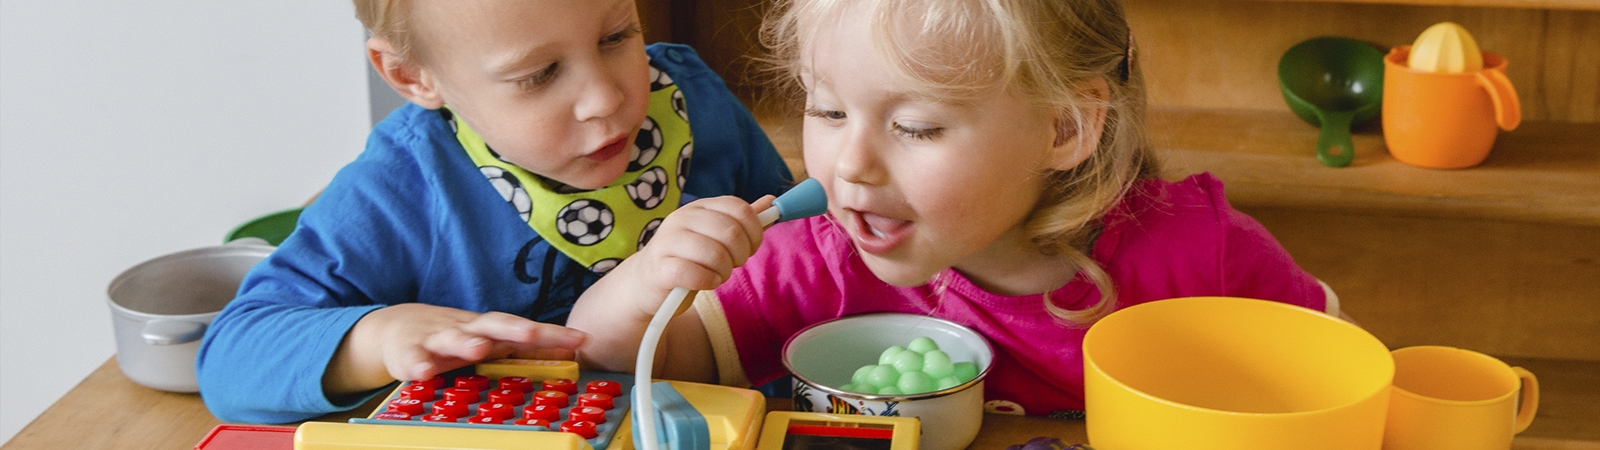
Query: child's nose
{"points": [[600, 97], [858, 160]]}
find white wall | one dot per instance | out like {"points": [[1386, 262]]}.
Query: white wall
{"points": [[133, 129]]}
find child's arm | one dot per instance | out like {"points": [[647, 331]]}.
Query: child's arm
{"points": [[415, 341], [696, 248]]}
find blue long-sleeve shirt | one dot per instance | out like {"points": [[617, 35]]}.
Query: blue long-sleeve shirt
{"points": [[412, 219]]}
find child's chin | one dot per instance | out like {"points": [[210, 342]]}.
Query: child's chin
{"points": [[898, 274]]}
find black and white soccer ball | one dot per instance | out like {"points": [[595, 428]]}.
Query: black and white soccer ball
{"points": [[645, 146], [683, 163], [649, 189], [658, 79], [605, 265], [649, 232], [585, 222], [510, 189], [679, 105]]}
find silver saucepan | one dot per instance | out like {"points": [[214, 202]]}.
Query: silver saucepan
{"points": [[161, 307]]}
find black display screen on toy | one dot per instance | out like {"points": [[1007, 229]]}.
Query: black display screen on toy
{"points": [[822, 436]]}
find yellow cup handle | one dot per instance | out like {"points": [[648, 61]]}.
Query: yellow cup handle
{"points": [[1530, 399], [1507, 108]]}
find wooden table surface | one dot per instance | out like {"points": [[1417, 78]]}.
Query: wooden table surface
{"points": [[108, 411]]}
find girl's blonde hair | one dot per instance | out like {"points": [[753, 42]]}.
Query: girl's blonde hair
{"points": [[1041, 50], [389, 20]]}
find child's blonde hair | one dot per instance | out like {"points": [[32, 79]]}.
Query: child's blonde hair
{"points": [[389, 20], [1042, 50]]}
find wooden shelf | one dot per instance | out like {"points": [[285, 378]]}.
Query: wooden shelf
{"points": [[1538, 4], [1569, 404], [1541, 172]]}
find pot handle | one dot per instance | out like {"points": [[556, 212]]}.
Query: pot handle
{"points": [[172, 332]]}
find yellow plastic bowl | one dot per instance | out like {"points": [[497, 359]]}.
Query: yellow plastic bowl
{"points": [[1233, 373]]}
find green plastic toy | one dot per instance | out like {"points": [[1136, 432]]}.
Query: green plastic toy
{"points": [[1334, 83]]}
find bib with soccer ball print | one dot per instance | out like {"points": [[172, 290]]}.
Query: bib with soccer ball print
{"points": [[600, 228]]}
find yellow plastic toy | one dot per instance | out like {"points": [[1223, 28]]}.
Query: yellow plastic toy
{"points": [[587, 410], [786, 429], [1445, 48]]}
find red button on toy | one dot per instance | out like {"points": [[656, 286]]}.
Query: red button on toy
{"points": [[606, 387], [461, 394], [438, 418], [561, 384], [541, 412], [410, 406], [552, 398], [596, 399], [501, 410], [509, 396], [519, 383], [581, 428], [533, 423], [432, 383], [588, 414], [486, 420], [392, 415], [475, 382], [451, 408], [417, 392]]}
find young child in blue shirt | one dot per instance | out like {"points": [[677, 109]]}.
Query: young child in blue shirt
{"points": [[543, 144]]}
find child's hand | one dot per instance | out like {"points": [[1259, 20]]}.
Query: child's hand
{"points": [[696, 248], [415, 341]]}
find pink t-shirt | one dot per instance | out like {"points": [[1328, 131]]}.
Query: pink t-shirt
{"points": [[1165, 240]]}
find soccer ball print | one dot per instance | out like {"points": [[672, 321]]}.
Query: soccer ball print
{"points": [[649, 189], [658, 79], [584, 222], [646, 145], [649, 232], [683, 163], [510, 189]]}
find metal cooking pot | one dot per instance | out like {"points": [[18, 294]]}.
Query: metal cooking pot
{"points": [[161, 307]]}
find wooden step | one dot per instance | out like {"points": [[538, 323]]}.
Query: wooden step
{"points": [[1542, 172]]}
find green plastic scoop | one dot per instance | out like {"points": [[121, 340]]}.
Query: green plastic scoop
{"points": [[1334, 83]]}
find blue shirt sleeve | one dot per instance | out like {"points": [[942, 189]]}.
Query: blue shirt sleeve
{"points": [[353, 251]]}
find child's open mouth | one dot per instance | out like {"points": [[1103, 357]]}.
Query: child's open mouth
{"points": [[878, 234]]}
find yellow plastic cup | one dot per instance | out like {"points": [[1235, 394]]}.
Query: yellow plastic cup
{"points": [[1234, 373], [1457, 399]]}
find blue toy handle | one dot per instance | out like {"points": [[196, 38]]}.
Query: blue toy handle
{"points": [[801, 201]]}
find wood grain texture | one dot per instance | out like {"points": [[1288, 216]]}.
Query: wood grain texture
{"points": [[1542, 172], [1503, 288], [1223, 54]]}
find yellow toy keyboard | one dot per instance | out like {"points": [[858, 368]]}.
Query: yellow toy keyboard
{"points": [[537, 404]]}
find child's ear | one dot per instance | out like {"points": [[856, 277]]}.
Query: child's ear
{"points": [[411, 81], [1074, 142]]}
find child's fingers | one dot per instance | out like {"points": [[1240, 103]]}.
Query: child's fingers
{"points": [[523, 334], [414, 362], [456, 343]]}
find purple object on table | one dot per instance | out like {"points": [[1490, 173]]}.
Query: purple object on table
{"points": [[1048, 443]]}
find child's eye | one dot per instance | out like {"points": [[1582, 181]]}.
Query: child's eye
{"points": [[540, 78], [825, 114], [918, 133], [620, 36]]}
